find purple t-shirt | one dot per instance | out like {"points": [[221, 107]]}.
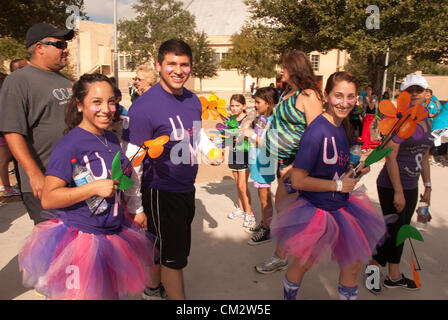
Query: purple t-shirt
{"points": [[92, 154], [325, 153], [409, 159], [157, 113]]}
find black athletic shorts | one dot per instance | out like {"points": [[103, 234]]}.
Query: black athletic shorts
{"points": [[170, 215]]}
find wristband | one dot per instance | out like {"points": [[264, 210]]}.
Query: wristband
{"points": [[338, 185], [254, 137], [427, 184]]}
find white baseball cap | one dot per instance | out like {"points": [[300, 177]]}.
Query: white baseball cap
{"points": [[414, 80]]}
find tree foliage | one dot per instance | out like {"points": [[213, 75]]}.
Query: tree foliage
{"points": [[156, 22], [410, 28], [203, 64], [251, 54], [17, 16]]}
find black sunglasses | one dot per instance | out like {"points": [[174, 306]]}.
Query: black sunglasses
{"points": [[58, 44]]}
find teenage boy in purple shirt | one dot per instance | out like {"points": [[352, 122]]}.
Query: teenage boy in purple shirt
{"points": [[164, 195]]}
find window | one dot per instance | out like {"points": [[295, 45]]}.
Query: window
{"points": [[224, 55], [315, 62], [216, 58], [123, 63]]}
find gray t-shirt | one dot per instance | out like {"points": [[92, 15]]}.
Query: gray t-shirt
{"points": [[32, 103]]}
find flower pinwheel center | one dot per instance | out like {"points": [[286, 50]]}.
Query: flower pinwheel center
{"points": [[399, 115]]}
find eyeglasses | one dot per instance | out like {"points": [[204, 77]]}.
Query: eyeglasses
{"points": [[58, 44]]}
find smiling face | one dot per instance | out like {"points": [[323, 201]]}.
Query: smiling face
{"points": [[341, 100], [174, 72], [98, 107]]}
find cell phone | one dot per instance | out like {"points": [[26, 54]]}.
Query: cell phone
{"points": [[355, 173]]}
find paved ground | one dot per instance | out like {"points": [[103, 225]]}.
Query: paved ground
{"points": [[221, 264]]}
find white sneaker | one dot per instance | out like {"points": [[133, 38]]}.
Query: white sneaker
{"points": [[249, 221], [238, 213]]}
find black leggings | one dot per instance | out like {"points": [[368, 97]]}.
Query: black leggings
{"points": [[389, 252]]}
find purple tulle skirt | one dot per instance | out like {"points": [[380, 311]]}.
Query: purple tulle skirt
{"points": [[347, 235], [63, 262]]}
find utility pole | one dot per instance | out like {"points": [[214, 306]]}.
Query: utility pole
{"points": [[115, 44]]}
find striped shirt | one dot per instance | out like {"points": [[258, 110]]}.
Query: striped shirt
{"points": [[288, 125]]}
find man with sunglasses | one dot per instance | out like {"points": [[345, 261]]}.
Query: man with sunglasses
{"points": [[32, 103]]}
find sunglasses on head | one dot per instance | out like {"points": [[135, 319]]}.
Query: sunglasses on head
{"points": [[58, 44]]}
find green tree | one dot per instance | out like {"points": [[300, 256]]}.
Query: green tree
{"points": [[251, 55], [409, 28], [156, 22], [11, 49], [17, 16], [203, 64]]}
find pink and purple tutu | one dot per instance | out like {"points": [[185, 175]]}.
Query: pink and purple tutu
{"points": [[347, 235], [63, 262]]}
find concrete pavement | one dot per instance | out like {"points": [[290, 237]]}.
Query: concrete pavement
{"points": [[221, 264]]}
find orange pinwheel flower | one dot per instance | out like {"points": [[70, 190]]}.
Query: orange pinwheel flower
{"points": [[214, 106], [401, 117], [153, 148]]}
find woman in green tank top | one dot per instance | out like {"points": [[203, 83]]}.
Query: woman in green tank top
{"points": [[297, 107]]}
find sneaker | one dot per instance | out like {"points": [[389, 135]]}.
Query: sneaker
{"points": [[10, 192], [238, 213], [262, 236], [155, 294], [11, 171], [271, 265], [402, 283], [249, 221], [373, 290], [256, 228]]}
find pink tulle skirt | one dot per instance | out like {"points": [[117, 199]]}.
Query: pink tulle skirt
{"points": [[63, 262], [347, 235]]}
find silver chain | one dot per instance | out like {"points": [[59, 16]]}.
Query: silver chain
{"points": [[104, 144]]}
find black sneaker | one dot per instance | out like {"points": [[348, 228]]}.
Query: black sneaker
{"points": [[404, 282], [255, 228], [262, 236]]}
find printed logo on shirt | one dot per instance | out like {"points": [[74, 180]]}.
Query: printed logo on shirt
{"points": [[62, 94]]}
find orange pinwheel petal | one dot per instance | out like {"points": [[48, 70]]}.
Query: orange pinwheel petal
{"points": [[420, 113], [403, 101], [416, 275], [407, 129], [205, 114], [157, 141], [155, 151], [138, 158], [204, 102], [387, 108], [387, 124], [213, 104]]}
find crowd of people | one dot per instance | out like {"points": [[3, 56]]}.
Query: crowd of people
{"points": [[66, 136]]}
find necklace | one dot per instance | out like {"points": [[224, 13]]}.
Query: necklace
{"points": [[103, 143]]}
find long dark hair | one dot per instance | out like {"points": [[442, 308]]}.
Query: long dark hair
{"points": [[301, 71], [331, 82], [80, 90], [270, 95]]}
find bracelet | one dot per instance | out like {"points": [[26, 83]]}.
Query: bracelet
{"points": [[427, 184], [338, 185], [254, 137]]}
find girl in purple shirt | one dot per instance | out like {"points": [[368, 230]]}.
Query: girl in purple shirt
{"points": [[79, 256], [326, 218]]}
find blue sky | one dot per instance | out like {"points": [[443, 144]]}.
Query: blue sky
{"points": [[103, 10]]}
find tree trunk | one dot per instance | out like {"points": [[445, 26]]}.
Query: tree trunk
{"points": [[244, 83]]}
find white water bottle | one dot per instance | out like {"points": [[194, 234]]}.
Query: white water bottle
{"points": [[82, 176]]}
